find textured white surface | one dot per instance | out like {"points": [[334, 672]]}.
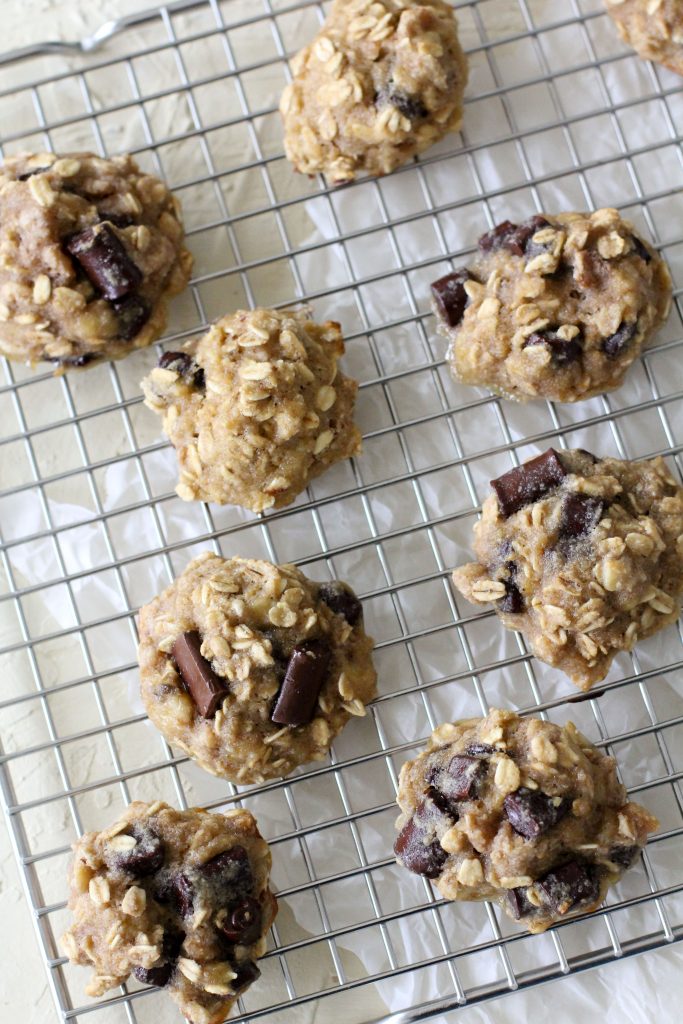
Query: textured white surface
{"points": [[636, 991]]}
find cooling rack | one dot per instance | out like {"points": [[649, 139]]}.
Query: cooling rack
{"points": [[559, 116]]}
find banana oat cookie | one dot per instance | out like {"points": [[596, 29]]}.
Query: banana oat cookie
{"points": [[521, 812], [583, 555], [251, 667], [654, 28], [380, 83], [557, 307], [179, 899], [256, 408], [90, 252]]}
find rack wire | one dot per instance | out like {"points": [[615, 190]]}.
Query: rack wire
{"points": [[559, 116]]}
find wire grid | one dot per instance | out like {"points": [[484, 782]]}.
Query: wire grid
{"points": [[559, 117]]}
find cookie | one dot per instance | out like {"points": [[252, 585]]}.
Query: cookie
{"points": [[654, 28], [178, 899], [557, 307], [521, 812], [90, 252], [256, 408], [380, 83], [252, 668], [584, 556]]}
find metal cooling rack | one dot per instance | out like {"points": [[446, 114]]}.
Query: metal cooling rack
{"points": [[559, 116]]}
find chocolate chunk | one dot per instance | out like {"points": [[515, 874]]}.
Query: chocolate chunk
{"points": [[417, 853], [640, 249], [479, 750], [157, 976], [246, 973], [105, 261], [568, 885], [589, 455], [513, 602], [146, 857], [177, 890], [624, 856], [515, 238], [458, 781], [82, 360], [204, 686], [119, 220], [411, 107], [531, 813], [303, 681], [563, 352], [527, 483], [580, 514], [450, 296], [185, 366], [172, 943], [518, 902], [232, 868], [341, 600], [243, 922], [132, 314], [613, 346], [497, 236]]}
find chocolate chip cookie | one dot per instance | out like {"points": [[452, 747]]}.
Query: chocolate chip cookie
{"points": [[179, 899], [256, 408], [521, 812], [252, 668], [557, 307], [380, 83], [90, 252], [654, 28], [583, 555]]}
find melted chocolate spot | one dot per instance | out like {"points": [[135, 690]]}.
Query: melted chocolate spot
{"points": [[624, 856], [580, 514], [563, 352], [243, 923], [157, 976], [132, 313], [614, 345], [146, 857], [341, 600], [185, 366]]}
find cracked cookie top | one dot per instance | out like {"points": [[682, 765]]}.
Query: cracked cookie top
{"points": [[251, 667], [519, 811], [557, 307], [90, 251], [654, 28], [256, 408], [583, 555], [380, 83], [179, 899]]}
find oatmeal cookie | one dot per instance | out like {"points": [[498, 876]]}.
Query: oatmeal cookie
{"points": [[252, 668], [557, 307], [654, 28], [583, 555], [380, 83], [179, 899], [90, 252], [256, 408], [521, 812]]}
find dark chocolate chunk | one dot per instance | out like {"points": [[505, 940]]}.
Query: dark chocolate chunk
{"points": [[146, 857], [417, 853], [450, 296], [563, 352], [178, 891], [531, 813], [341, 600], [572, 883], [82, 360], [246, 973], [231, 869], [589, 455], [624, 856], [303, 681], [243, 922], [479, 750], [105, 261], [518, 903], [157, 976], [527, 483], [462, 777], [580, 514], [411, 107], [513, 237], [172, 943], [513, 602], [640, 249], [132, 314], [613, 346], [185, 366], [497, 236], [119, 220], [204, 686]]}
